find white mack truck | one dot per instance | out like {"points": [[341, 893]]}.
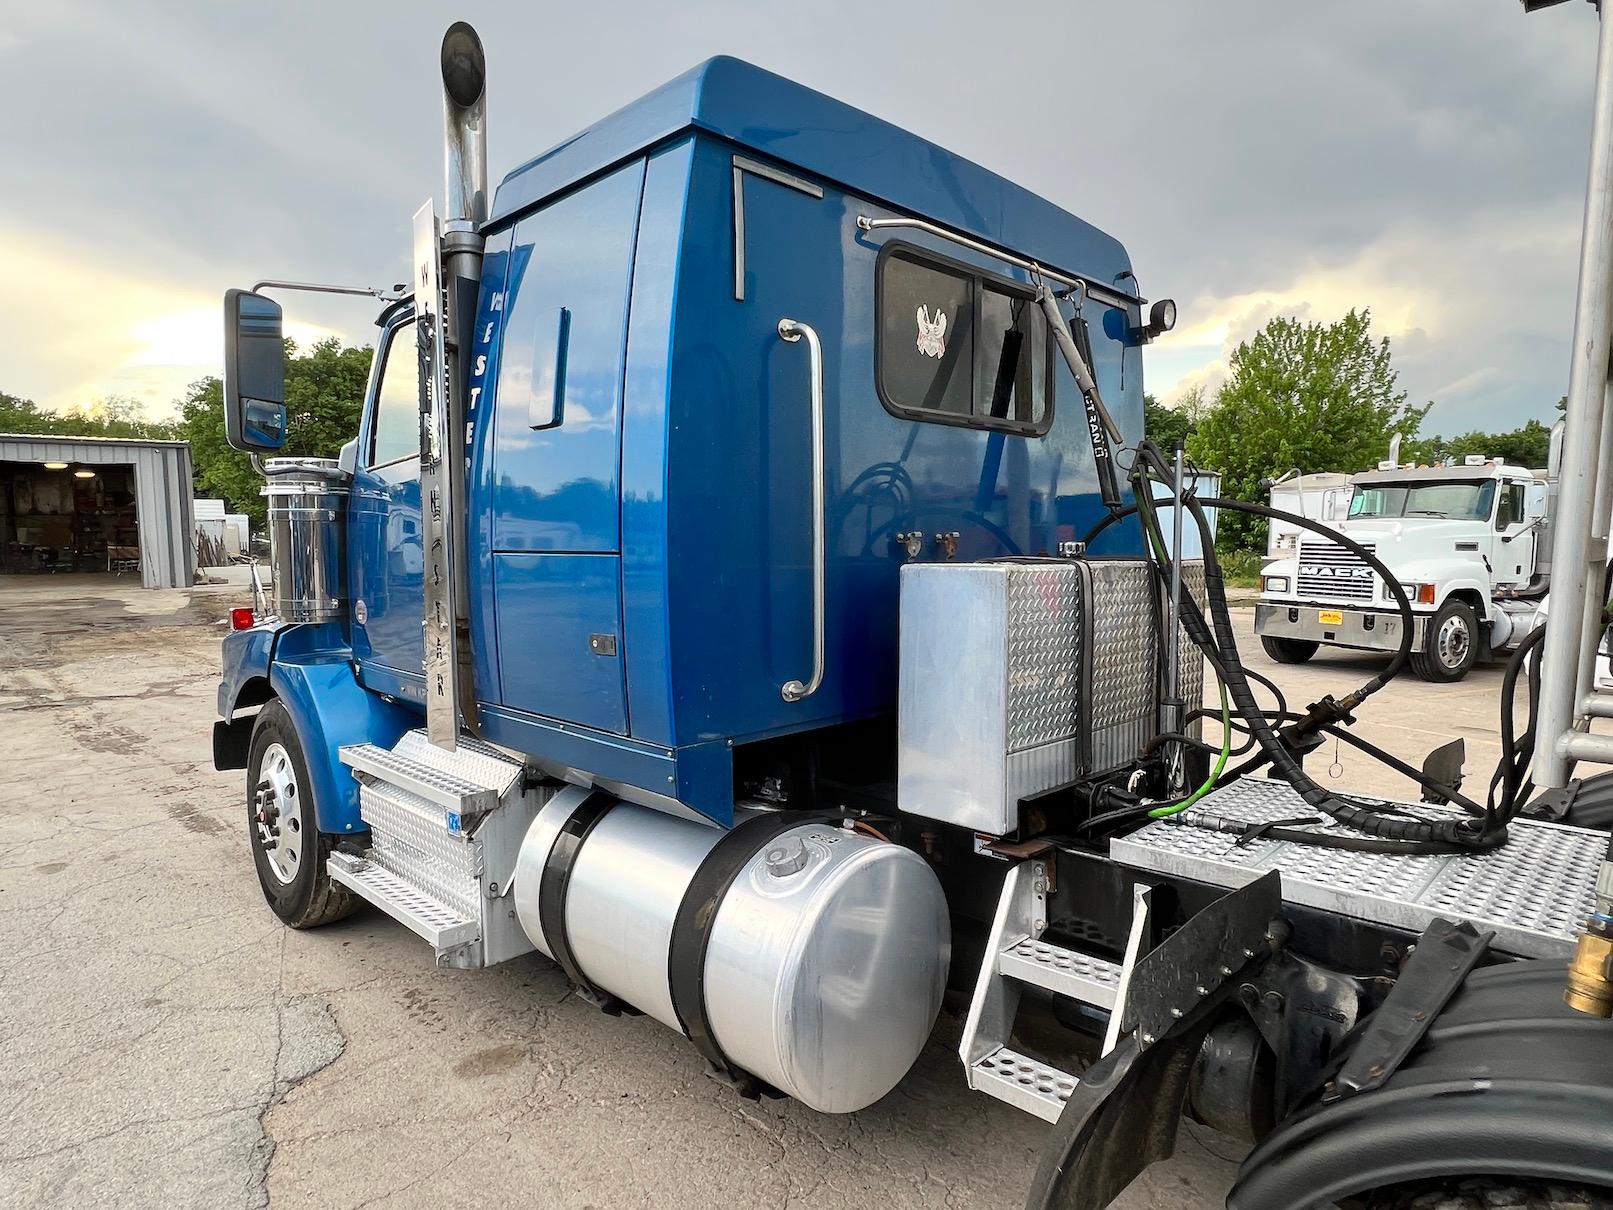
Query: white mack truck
{"points": [[1469, 545]]}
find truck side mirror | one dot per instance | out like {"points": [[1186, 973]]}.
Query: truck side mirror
{"points": [[255, 418], [1534, 501]]}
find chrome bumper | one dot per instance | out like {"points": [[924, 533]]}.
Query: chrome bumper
{"points": [[1301, 622]]}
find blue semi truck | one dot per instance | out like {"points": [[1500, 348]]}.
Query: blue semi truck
{"points": [[735, 594]]}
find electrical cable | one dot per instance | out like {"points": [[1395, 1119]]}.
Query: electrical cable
{"points": [[1215, 773]]}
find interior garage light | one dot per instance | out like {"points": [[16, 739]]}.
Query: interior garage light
{"points": [[55, 466], [83, 474]]}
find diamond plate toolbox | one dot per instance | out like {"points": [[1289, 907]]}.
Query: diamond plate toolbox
{"points": [[998, 664]]}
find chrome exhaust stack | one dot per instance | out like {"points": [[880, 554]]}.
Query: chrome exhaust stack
{"points": [[448, 259], [464, 119]]}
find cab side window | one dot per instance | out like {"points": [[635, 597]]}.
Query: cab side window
{"points": [[395, 429], [1510, 511], [960, 346]]}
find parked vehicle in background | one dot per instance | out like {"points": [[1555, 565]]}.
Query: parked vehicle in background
{"points": [[1469, 545], [1322, 496]]}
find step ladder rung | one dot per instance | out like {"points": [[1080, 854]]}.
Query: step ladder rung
{"points": [[434, 785], [410, 906], [1082, 977], [1023, 1083]]}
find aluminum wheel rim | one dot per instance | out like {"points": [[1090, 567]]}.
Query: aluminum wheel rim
{"points": [[277, 813], [1453, 641]]}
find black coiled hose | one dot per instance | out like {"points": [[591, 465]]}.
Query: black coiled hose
{"points": [[1383, 833]]}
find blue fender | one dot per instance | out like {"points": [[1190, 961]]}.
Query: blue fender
{"points": [[310, 669]]}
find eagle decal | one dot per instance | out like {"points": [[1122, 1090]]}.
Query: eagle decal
{"points": [[932, 341]]}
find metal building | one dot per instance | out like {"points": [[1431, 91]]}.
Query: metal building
{"points": [[89, 504]]}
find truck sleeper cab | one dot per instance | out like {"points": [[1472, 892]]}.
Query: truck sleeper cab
{"points": [[640, 466]]}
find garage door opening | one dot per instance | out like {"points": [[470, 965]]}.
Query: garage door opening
{"points": [[68, 517]]}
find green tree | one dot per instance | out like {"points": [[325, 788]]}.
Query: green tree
{"points": [[1320, 397], [1527, 445], [114, 416], [1168, 424], [324, 394]]}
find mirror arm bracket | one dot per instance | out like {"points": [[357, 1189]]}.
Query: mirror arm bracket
{"points": [[396, 294]]}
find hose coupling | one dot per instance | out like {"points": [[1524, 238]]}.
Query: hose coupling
{"points": [[1589, 988]]}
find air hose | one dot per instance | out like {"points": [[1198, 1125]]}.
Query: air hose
{"points": [[1387, 833]]}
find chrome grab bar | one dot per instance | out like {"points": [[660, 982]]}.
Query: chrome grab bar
{"points": [[793, 330]]}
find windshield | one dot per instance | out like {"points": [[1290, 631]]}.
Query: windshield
{"points": [[1457, 501]]}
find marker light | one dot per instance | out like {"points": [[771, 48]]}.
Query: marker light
{"points": [[241, 618]]}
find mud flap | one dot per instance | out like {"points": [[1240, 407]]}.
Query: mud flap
{"points": [[1123, 1114]]}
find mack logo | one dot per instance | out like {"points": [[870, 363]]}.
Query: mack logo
{"points": [[1328, 571]]}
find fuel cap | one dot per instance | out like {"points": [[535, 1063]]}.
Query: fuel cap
{"points": [[788, 856]]}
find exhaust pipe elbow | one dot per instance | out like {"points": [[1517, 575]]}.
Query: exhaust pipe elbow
{"points": [[464, 111]]}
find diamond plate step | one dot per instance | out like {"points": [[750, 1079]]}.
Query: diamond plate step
{"points": [[431, 919], [446, 790], [1023, 1083], [1081, 977]]}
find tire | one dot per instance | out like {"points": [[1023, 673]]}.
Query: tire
{"points": [[1483, 1193], [1505, 1102], [1288, 651], [288, 849], [1451, 647]]}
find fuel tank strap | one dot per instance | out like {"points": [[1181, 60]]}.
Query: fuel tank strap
{"points": [[552, 891], [691, 929]]}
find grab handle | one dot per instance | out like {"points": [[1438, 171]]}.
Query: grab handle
{"points": [[793, 330]]}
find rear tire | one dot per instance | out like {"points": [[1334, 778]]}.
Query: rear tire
{"points": [[1451, 647], [1484, 1193], [287, 846], [1288, 651]]}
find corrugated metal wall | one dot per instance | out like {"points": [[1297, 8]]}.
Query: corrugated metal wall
{"points": [[162, 492]]}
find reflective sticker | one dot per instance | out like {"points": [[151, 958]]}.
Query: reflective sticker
{"points": [[932, 340]]}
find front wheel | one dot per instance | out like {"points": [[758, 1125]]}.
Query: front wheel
{"points": [[1288, 651], [1451, 646], [287, 846]]}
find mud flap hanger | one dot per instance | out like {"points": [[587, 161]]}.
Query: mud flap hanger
{"points": [[1101, 427]]}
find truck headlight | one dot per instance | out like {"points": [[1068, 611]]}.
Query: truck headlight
{"points": [[1420, 594], [1275, 583]]}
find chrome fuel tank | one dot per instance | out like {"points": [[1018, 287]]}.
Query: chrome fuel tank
{"points": [[826, 956]]}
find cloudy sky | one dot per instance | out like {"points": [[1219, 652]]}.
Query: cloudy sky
{"points": [[1257, 157]]}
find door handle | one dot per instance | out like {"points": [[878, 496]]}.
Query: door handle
{"points": [[792, 330]]}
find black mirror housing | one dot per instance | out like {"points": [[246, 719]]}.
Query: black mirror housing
{"points": [[255, 417]]}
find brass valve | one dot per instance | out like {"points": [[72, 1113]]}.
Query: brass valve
{"points": [[1590, 972]]}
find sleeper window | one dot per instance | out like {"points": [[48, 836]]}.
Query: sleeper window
{"points": [[959, 347], [926, 345], [395, 431]]}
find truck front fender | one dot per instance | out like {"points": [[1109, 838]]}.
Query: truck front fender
{"points": [[329, 709]]}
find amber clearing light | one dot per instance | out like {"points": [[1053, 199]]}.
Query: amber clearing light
{"points": [[1425, 594], [241, 618]]}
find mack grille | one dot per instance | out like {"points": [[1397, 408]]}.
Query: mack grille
{"points": [[1327, 569]]}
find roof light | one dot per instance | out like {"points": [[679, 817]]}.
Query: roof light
{"points": [[55, 466], [83, 474]]}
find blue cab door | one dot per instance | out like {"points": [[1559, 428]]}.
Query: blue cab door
{"points": [[554, 468], [384, 546]]}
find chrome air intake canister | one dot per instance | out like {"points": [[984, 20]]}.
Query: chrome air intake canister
{"points": [[804, 954], [307, 549]]}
